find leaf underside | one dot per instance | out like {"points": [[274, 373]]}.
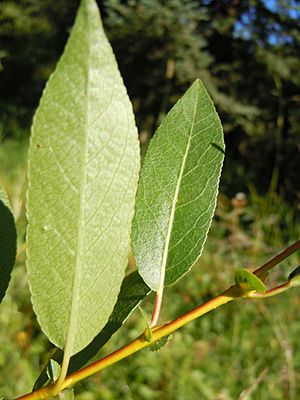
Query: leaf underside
{"points": [[133, 291], [178, 188], [8, 243], [83, 169]]}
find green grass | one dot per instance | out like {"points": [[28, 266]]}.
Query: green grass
{"points": [[248, 349]]}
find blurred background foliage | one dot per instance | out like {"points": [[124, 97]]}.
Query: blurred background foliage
{"points": [[247, 53]]}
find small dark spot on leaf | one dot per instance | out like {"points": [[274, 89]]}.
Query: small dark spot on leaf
{"points": [[218, 147]]}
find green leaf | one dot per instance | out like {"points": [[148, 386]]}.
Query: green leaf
{"points": [[133, 291], [248, 281], [83, 170], [8, 242], [53, 370], [178, 188], [294, 277]]}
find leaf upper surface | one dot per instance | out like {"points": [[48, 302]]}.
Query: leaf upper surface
{"points": [[178, 188], [83, 168], [8, 243]]}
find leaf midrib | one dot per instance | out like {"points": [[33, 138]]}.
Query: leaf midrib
{"points": [[76, 280], [175, 198]]}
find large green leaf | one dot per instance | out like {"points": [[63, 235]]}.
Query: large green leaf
{"points": [[8, 242], [178, 189], [133, 291], [83, 169]]}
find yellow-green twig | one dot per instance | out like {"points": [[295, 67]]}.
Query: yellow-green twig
{"points": [[269, 293], [137, 344]]}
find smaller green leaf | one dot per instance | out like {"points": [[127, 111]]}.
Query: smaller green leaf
{"points": [[178, 189], [248, 281], [294, 277], [8, 242], [67, 394], [160, 343], [53, 370]]}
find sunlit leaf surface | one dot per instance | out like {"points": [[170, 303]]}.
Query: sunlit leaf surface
{"points": [[83, 168], [178, 189]]}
